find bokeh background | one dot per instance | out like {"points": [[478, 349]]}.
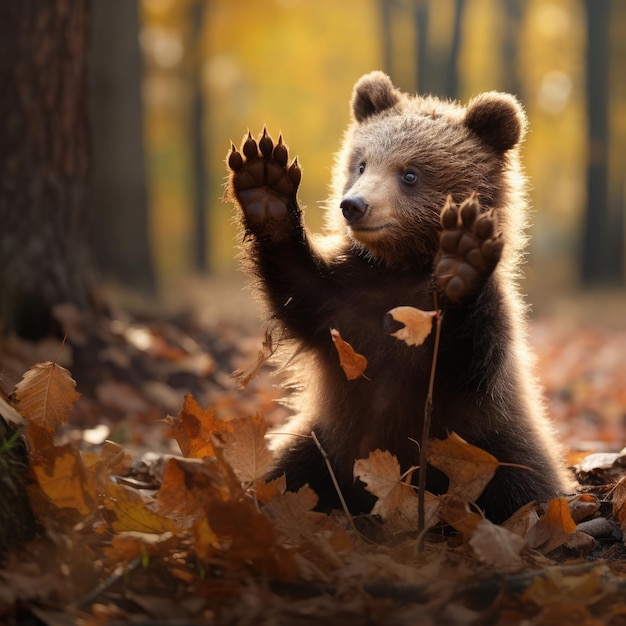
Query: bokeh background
{"points": [[207, 70]]}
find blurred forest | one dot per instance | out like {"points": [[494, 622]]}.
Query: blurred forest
{"points": [[215, 68]]}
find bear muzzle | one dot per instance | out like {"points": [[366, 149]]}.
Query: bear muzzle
{"points": [[353, 208]]}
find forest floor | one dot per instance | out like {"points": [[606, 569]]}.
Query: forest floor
{"points": [[132, 534]]}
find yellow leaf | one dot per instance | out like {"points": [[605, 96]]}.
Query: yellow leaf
{"points": [[132, 513], [245, 448], [352, 363], [64, 480], [417, 324], [469, 468], [45, 395]]}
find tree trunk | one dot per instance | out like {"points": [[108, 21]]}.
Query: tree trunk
{"points": [[421, 31], [44, 256], [601, 261], [120, 198], [452, 70]]}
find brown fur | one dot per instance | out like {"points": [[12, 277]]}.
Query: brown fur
{"points": [[384, 257]]}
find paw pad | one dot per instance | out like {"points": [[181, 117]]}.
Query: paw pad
{"points": [[469, 249], [262, 180]]}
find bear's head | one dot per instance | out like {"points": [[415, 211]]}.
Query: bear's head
{"points": [[403, 155]]}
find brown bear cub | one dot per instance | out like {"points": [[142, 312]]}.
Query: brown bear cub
{"points": [[427, 195]]}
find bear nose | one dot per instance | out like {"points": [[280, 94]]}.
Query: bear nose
{"points": [[353, 208]]}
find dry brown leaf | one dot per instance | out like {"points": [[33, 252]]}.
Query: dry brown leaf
{"points": [[352, 363], [194, 427], [497, 546], [553, 528], [417, 324], [131, 512], [130, 544], [245, 448], [45, 395], [266, 491], [397, 501], [469, 468], [289, 513], [457, 513], [205, 540], [242, 376], [618, 497]]}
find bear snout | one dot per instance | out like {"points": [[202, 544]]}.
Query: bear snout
{"points": [[353, 208]]}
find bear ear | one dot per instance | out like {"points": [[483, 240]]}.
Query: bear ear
{"points": [[497, 118], [372, 94]]}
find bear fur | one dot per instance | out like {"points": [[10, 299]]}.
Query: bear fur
{"points": [[427, 195]]}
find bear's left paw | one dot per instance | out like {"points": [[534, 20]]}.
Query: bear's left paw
{"points": [[469, 249]]}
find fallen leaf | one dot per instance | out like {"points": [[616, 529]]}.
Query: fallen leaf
{"points": [[268, 347], [128, 545], [245, 448], [553, 528], [288, 513], [266, 491], [469, 468], [417, 324], [352, 363], [397, 501], [45, 395], [496, 546], [194, 427], [457, 513]]}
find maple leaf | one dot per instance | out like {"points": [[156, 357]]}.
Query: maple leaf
{"points": [[266, 491], [245, 448], [194, 427], [352, 363], [497, 546], [469, 468], [288, 513], [45, 396], [553, 528], [397, 501], [416, 324]]}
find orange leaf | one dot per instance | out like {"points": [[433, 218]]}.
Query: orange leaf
{"points": [[469, 468], [267, 491], [245, 448], [128, 545], [132, 513], [417, 324], [45, 396], [353, 364], [194, 427], [65, 481], [553, 528]]}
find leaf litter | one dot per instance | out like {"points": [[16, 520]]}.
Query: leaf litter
{"points": [[192, 533]]}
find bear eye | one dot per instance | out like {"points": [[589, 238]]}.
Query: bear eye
{"points": [[361, 168], [409, 177]]}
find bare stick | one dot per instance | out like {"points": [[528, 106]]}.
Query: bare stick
{"points": [[428, 412], [344, 506]]}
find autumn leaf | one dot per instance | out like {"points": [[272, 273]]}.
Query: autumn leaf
{"points": [[65, 481], [194, 427], [456, 512], [553, 528], [618, 497], [131, 512], [288, 513], [416, 324], [469, 468], [397, 501], [266, 491], [128, 545], [245, 448], [496, 546], [45, 396], [352, 363], [268, 347]]}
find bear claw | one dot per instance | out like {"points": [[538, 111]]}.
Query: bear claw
{"points": [[469, 249], [263, 181]]}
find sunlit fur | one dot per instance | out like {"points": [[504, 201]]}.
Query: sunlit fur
{"points": [[485, 390]]}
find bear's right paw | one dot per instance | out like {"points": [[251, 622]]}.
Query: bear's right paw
{"points": [[263, 182], [469, 249]]}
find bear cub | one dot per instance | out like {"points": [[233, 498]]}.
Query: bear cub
{"points": [[427, 195]]}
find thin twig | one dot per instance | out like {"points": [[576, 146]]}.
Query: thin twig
{"points": [[428, 411], [344, 506]]}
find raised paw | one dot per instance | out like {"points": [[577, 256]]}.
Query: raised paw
{"points": [[469, 248], [263, 182]]}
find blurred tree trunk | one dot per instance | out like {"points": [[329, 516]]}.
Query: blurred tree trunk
{"points": [[44, 254], [421, 31], [452, 69], [120, 198], [386, 9], [601, 262], [198, 144], [510, 46]]}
